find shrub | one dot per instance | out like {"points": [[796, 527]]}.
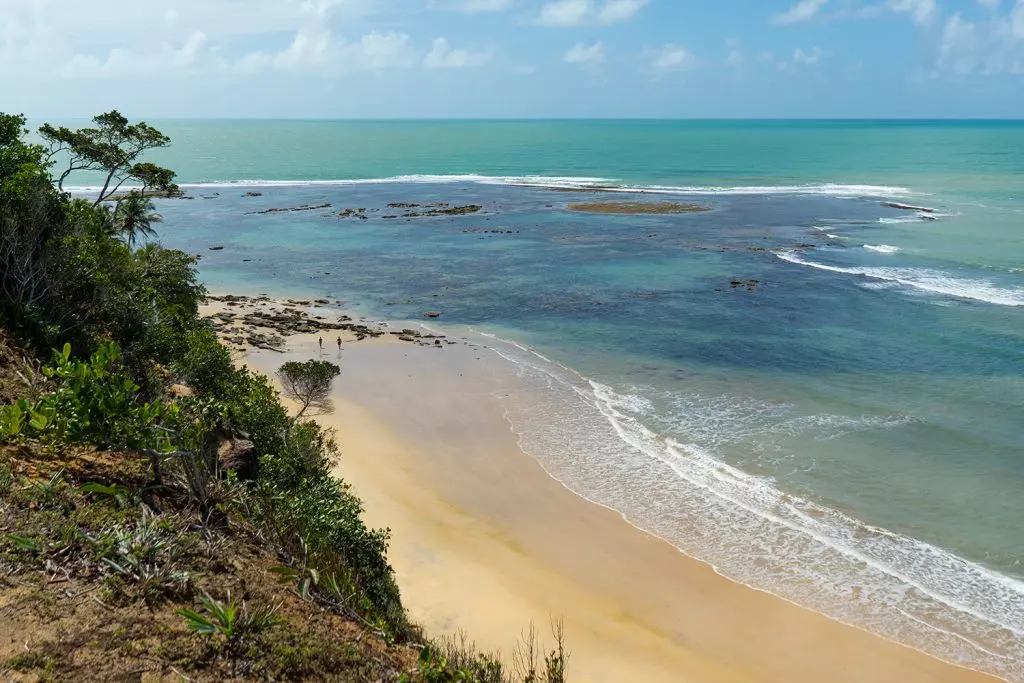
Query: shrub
{"points": [[96, 402], [315, 517], [203, 363]]}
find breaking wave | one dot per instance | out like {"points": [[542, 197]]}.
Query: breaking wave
{"points": [[925, 279], [570, 183], [624, 449]]}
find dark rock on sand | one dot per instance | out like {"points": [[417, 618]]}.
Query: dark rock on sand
{"points": [[239, 456]]}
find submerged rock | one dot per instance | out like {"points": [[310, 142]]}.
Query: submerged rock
{"points": [[304, 207], [637, 207], [908, 207]]}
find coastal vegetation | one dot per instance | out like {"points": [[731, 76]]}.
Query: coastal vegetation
{"points": [[161, 511], [308, 384]]}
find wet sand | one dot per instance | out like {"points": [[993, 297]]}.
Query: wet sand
{"points": [[484, 541]]}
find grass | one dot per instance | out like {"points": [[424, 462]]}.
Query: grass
{"points": [[95, 585]]}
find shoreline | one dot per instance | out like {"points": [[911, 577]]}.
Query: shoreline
{"points": [[411, 434]]}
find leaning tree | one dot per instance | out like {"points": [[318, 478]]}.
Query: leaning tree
{"points": [[112, 148], [308, 384]]}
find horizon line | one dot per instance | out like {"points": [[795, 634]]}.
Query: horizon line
{"points": [[377, 119]]}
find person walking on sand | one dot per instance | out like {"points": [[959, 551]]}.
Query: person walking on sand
{"points": [[321, 343], [339, 344]]}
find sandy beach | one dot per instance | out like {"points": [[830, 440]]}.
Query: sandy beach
{"points": [[485, 541]]}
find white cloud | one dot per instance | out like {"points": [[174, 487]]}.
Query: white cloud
{"points": [[619, 11], [473, 6], [801, 11], [736, 57], [379, 51], [994, 46], [74, 39], [582, 53], [564, 13], [922, 11], [801, 57], [673, 57], [189, 52], [320, 52], [442, 56], [123, 62], [579, 12]]}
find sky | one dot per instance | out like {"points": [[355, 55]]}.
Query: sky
{"points": [[513, 58]]}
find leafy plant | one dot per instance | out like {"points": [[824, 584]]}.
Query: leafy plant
{"points": [[122, 495], [95, 402], [24, 418], [23, 543], [46, 491], [229, 620]]}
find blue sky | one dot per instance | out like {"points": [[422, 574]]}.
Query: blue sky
{"points": [[514, 58]]}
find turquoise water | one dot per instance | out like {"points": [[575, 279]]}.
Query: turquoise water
{"points": [[845, 433]]}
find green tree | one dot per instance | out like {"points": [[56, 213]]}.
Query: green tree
{"points": [[113, 147], [65, 273], [308, 384], [133, 216]]}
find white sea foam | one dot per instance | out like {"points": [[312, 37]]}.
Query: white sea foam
{"points": [[924, 279], [569, 182], [913, 218], [612, 448], [882, 248]]}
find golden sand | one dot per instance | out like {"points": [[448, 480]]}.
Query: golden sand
{"points": [[484, 541]]}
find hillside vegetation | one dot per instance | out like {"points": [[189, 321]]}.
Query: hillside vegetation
{"points": [[162, 516]]}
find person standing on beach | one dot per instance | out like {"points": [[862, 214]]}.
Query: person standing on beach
{"points": [[321, 343], [339, 343]]}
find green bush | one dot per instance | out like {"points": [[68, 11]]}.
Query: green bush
{"points": [[315, 516], [96, 402], [203, 363], [71, 278]]}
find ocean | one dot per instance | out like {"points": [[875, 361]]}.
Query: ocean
{"points": [[820, 395]]}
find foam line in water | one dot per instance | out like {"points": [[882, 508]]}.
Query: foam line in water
{"points": [[924, 279], [882, 248], [568, 183], [599, 442], [915, 218]]}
